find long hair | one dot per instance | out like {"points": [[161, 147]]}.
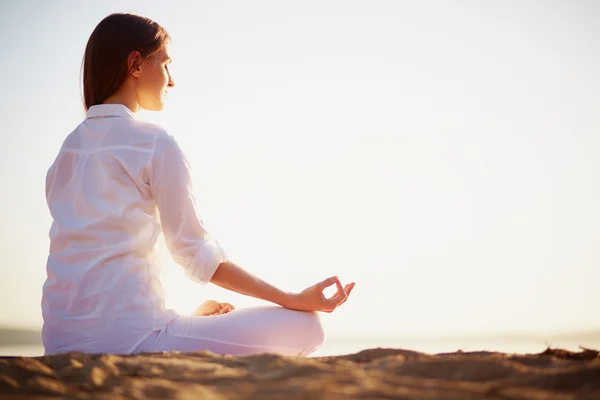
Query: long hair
{"points": [[108, 48]]}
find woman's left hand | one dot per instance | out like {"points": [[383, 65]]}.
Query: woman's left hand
{"points": [[313, 299], [211, 307]]}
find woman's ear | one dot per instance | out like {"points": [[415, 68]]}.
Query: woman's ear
{"points": [[134, 60]]}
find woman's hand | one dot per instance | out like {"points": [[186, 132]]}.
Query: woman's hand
{"points": [[313, 299], [211, 307]]}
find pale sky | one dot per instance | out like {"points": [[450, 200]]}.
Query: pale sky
{"points": [[443, 155]]}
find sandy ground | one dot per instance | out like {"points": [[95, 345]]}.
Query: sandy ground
{"points": [[369, 374]]}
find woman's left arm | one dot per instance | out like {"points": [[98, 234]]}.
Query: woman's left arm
{"points": [[187, 239], [232, 277]]}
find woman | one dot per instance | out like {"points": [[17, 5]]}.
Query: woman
{"points": [[116, 183]]}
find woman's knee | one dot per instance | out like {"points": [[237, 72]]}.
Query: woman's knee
{"points": [[299, 330], [313, 331]]}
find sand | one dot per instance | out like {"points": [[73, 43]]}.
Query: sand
{"points": [[369, 374]]}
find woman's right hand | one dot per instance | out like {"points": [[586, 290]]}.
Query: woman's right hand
{"points": [[313, 299]]}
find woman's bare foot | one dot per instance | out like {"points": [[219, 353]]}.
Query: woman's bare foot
{"points": [[211, 307]]}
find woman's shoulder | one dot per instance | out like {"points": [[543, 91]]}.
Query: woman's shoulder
{"points": [[156, 135], [146, 128]]}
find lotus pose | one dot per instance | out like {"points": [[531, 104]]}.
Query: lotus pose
{"points": [[116, 183]]}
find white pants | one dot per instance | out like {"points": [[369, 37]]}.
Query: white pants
{"points": [[241, 332]]}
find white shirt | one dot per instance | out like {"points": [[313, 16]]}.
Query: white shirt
{"points": [[112, 178]]}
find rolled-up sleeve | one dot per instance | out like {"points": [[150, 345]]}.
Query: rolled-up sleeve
{"points": [[188, 241]]}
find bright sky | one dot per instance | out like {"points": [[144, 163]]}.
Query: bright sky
{"points": [[443, 155]]}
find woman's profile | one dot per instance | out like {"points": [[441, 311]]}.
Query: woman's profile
{"points": [[115, 185]]}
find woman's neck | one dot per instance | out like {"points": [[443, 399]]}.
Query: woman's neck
{"points": [[125, 96]]}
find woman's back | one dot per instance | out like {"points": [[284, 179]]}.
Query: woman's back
{"points": [[101, 278]]}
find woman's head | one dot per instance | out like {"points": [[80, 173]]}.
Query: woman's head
{"points": [[127, 56]]}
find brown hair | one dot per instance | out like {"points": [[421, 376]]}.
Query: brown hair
{"points": [[107, 51]]}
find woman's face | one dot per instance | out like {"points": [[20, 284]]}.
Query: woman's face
{"points": [[154, 81]]}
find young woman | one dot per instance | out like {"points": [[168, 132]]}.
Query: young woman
{"points": [[116, 183]]}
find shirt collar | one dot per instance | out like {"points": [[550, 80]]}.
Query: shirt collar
{"points": [[109, 110]]}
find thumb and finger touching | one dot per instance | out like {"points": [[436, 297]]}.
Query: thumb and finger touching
{"points": [[348, 289], [326, 283], [340, 296]]}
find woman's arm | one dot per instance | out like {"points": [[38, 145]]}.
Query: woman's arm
{"points": [[190, 244], [232, 277], [201, 256]]}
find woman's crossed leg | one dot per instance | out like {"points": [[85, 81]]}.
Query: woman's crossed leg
{"points": [[241, 332]]}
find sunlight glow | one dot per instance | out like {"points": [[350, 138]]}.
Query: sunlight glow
{"points": [[442, 155]]}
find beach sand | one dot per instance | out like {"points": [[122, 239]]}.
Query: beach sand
{"points": [[369, 374]]}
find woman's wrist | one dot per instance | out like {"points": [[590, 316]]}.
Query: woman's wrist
{"points": [[289, 300]]}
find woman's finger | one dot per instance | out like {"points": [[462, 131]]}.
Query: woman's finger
{"points": [[223, 305], [209, 307], [226, 309], [340, 288], [337, 299], [348, 289], [341, 297], [326, 283]]}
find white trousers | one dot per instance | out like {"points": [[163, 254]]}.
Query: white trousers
{"points": [[241, 332]]}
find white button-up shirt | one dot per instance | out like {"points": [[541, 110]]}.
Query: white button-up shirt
{"points": [[112, 180]]}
